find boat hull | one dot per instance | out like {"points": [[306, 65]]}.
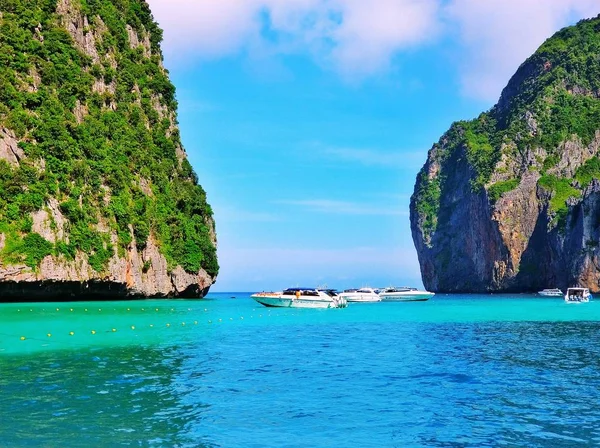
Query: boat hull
{"points": [[361, 298], [307, 303], [577, 295], [551, 293], [406, 297], [273, 302], [288, 302], [360, 295]]}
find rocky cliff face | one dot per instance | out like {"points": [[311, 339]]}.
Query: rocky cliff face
{"points": [[97, 198], [510, 201]]}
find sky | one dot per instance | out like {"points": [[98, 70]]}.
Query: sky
{"points": [[307, 121]]}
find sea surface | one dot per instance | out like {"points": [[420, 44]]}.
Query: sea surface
{"points": [[456, 371]]}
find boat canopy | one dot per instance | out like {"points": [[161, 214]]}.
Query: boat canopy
{"points": [[577, 290], [329, 291], [302, 291]]}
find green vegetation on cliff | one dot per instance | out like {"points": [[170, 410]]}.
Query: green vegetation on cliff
{"points": [[428, 191], [95, 116], [588, 171], [499, 188], [553, 98], [561, 191]]}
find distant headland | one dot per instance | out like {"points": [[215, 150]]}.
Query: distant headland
{"points": [[510, 201], [97, 197]]}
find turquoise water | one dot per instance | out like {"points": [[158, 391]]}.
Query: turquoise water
{"points": [[456, 371]]}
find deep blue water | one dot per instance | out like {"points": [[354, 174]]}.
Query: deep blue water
{"points": [[472, 371]]}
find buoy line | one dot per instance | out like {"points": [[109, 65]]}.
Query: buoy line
{"points": [[54, 338], [47, 341]]}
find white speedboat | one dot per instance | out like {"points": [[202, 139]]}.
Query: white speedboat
{"points": [[554, 292], [577, 295], [360, 295], [404, 294], [301, 298]]}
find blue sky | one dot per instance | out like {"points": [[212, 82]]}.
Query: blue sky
{"points": [[307, 120]]}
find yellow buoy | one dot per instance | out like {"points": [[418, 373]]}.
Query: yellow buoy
{"points": [[133, 327], [93, 331], [168, 325], [183, 324], [151, 325], [114, 330], [49, 335], [23, 338], [71, 310], [71, 333]]}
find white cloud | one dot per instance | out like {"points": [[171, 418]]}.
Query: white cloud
{"points": [[498, 35], [345, 208], [356, 37], [232, 214], [360, 38], [373, 31], [205, 27], [371, 157]]}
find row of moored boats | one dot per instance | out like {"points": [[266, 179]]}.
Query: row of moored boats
{"points": [[573, 295], [330, 298]]}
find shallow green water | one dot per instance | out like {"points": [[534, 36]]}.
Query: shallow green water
{"points": [[45, 327], [453, 371]]}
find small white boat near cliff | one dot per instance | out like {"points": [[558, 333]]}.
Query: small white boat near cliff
{"points": [[577, 295], [360, 295], [301, 298], [553, 292], [404, 294]]}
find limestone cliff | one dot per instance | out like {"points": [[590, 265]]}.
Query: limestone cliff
{"points": [[97, 197], [510, 201]]}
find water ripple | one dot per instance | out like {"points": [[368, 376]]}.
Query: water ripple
{"points": [[316, 380]]}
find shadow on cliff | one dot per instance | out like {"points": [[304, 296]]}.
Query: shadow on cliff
{"points": [[52, 291], [541, 262]]}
